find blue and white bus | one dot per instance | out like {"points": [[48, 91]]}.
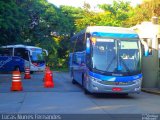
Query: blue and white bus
{"points": [[18, 56], [106, 60]]}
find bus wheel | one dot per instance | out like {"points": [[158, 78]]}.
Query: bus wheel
{"points": [[72, 77], [73, 80], [31, 72], [86, 91]]}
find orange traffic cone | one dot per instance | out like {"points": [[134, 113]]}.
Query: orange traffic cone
{"points": [[27, 73], [48, 82], [47, 68], [16, 81]]}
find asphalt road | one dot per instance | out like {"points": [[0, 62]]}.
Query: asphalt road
{"points": [[66, 98]]}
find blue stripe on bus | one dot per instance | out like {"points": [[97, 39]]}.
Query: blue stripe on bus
{"points": [[114, 35], [115, 78]]}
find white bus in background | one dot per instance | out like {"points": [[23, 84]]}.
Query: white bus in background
{"points": [[18, 56]]}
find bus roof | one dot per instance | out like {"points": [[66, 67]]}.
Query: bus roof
{"points": [[20, 46], [108, 31]]}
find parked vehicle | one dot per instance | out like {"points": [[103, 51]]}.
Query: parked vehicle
{"points": [[18, 56], [106, 60]]}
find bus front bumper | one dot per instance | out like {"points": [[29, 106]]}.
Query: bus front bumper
{"points": [[33, 68], [96, 87]]}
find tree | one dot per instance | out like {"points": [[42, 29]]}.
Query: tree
{"points": [[11, 20], [144, 12], [32, 22], [39, 23], [113, 15], [118, 12]]}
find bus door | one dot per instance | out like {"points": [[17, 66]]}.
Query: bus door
{"points": [[23, 55], [78, 66]]}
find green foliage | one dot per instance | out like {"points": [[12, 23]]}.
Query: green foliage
{"points": [[11, 20], [72, 14], [144, 12], [113, 15], [39, 23]]}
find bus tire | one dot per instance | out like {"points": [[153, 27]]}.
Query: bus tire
{"points": [[86, 91], [31, 72], [73, 81]]}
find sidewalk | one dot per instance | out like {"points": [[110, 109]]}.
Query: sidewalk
{"points": [[152, 90]]}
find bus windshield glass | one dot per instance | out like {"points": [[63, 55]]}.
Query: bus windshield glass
{"points": [[37, 55], [116, 56]]}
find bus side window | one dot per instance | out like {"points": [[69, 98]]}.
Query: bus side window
{"points": [[74, 58], [26, 55], [6, 51], [80, 45], [22, 52], [1, 51]]}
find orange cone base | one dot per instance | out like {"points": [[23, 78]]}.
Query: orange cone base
{"points": [[16, 86], [27, 77], [48, 84]]}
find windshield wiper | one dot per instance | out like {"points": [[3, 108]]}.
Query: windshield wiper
{"points": [[109, 65], [123, 62]]}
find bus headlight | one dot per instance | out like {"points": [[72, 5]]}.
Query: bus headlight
{"points": [[94, 79], [138, 81]]}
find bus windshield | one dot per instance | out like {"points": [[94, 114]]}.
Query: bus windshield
{"points": [[116, 56], [37, 55]]}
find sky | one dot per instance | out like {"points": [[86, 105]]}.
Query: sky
{"points": [[93, 3]]}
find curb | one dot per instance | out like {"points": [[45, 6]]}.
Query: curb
{"points": [[152, 91]]}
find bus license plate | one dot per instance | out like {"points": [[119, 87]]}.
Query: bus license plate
{"points": [[117, 89]]}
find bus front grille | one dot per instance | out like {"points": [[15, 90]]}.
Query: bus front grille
{"points": [[116, 83]]}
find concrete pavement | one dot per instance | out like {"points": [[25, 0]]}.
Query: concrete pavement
{"points": [[67, 98]]}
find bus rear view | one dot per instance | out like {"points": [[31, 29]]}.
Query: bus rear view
{"points": [[108, 61]]}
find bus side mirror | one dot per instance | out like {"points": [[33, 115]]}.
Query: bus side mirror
{"points": [[145, 49], [145, 52], [88, 49], [46, 52]]}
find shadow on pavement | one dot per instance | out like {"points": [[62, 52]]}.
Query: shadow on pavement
{"points": [[111, 95]]}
